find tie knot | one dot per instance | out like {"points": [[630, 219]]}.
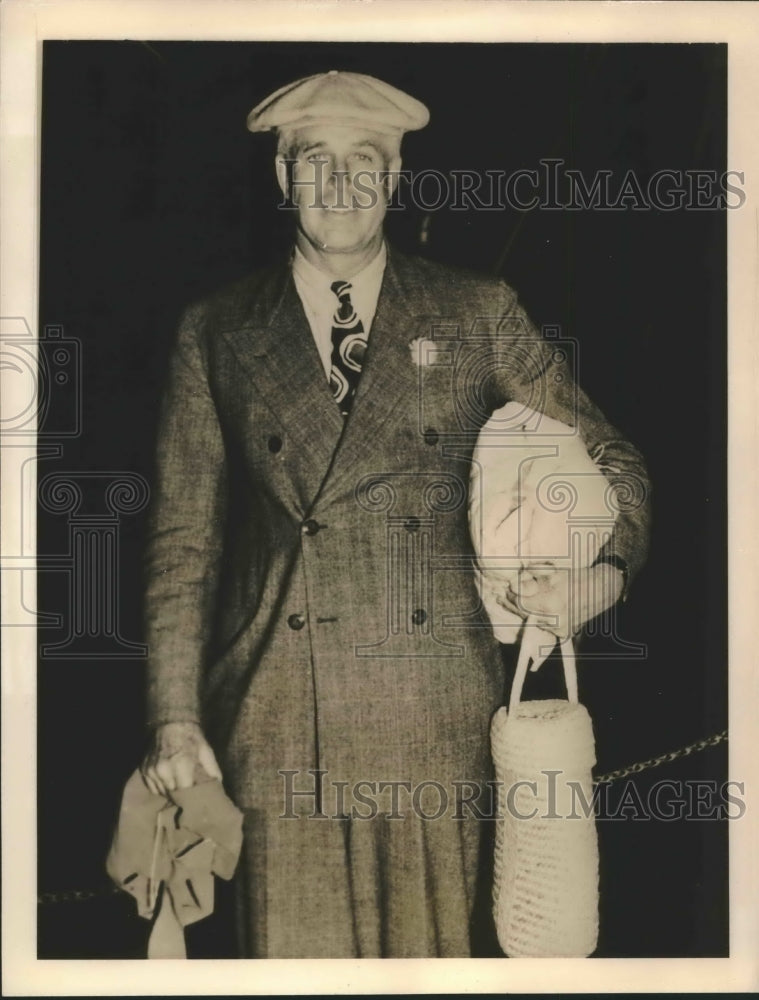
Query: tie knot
{"points": [[342, 290]]}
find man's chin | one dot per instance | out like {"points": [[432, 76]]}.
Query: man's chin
{"points": [[338, 243], [342, 225]]}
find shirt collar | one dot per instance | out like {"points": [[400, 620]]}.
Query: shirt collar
{"points": [[317, 280]]}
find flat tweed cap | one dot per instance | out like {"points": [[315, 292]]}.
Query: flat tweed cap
{"points": [[344, 98]]}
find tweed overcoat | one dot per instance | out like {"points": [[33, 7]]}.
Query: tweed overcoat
{"points": [[311, 601]]}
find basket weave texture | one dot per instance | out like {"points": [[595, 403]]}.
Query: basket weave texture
{"points": [[545, 889]]}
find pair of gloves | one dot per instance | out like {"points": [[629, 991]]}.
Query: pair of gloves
{"points": [[166, 851]]}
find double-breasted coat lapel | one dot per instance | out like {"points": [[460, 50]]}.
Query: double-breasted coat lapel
{"points": [[274, 346], [388, 374]]}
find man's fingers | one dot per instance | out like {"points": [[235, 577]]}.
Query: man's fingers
{"points": [[184, 771], [541, 613], [545, 572], [527, 584], [172, 762], [164, 771], [154, 786], [507, 596], [561, 603], [208, 761], [541, 608], [556, 628], [506, 601]]}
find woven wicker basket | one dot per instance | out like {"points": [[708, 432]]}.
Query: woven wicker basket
{"points": [[545, 890]]}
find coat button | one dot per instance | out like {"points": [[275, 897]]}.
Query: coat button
{"points": [[419, 617], [412, 524], [275, 444], [431, 436], [310, 527], [296, 622]]}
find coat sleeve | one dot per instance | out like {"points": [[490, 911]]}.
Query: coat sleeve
{"points": [[534, 371], [185, 532]]}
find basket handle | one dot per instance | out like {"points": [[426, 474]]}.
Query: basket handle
{"points": [[529, 650]]}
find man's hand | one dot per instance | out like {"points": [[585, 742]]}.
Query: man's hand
{"points": [[562, 600], [170, 763]]}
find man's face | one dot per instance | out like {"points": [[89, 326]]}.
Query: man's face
{"points": [[338, 181]]}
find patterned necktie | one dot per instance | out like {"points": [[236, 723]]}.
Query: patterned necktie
{"points": [[348, 348]]}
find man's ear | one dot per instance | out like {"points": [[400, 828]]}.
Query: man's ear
{"points": [[283, 175], [392, 176]]}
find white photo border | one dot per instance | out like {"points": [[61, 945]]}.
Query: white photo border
{"points": [[25, 25]]}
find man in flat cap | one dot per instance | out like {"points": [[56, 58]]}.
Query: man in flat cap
{"points": [[315, 630]]}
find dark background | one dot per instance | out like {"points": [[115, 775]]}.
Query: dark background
{"points": [[153, 194]]}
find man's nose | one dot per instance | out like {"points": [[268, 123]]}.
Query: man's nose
{"points": [[339, 181], [339, 161], [337, 172]]}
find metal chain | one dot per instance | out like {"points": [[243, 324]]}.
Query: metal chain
{"points": [[76, 895], [665, 758], [83, 895]]}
